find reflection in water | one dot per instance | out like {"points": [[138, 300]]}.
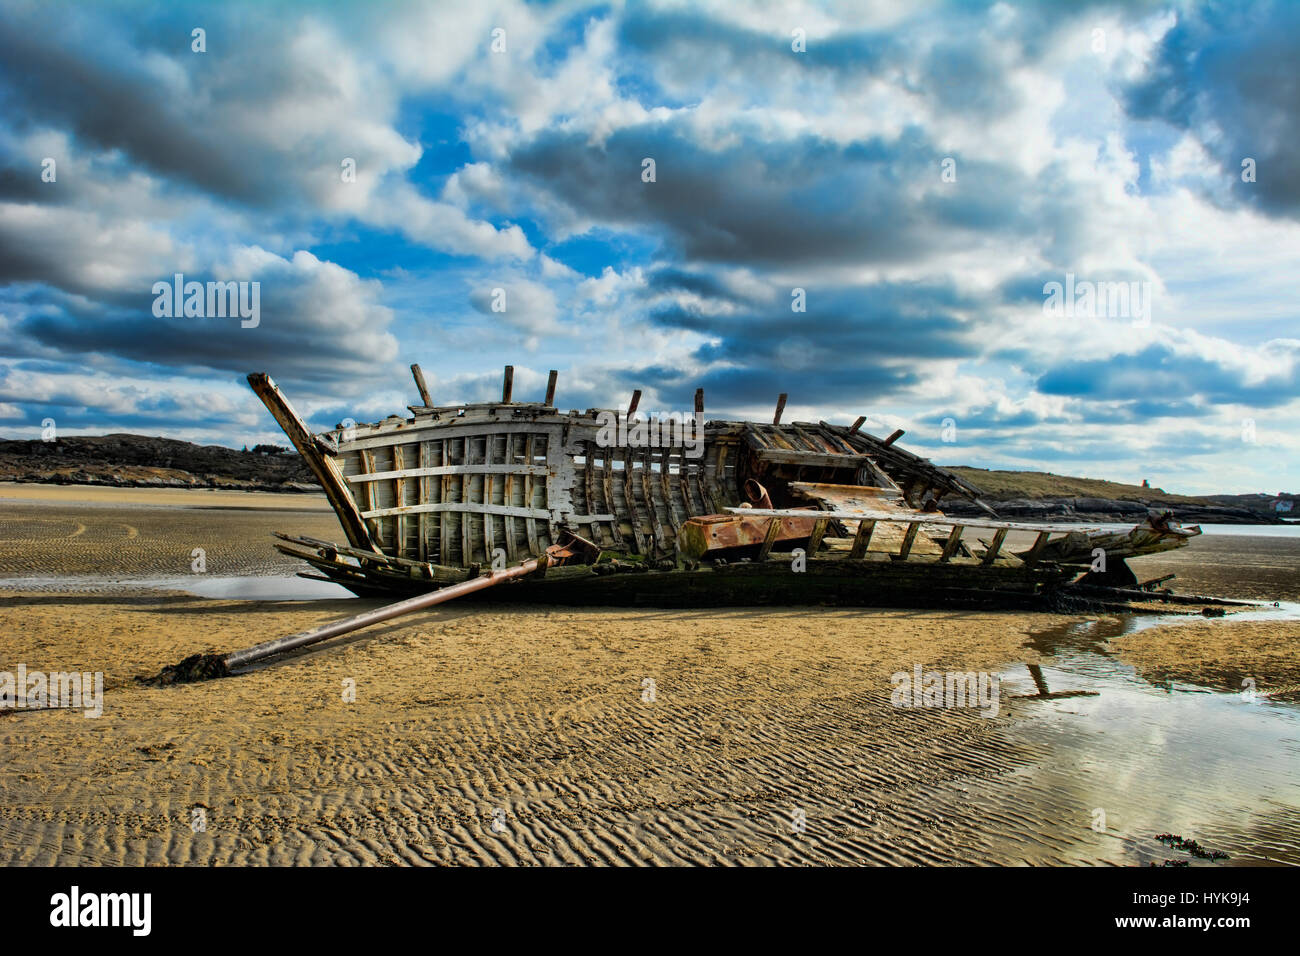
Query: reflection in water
{"points": [[1147, 759]]}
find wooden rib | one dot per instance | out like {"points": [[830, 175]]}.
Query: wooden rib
{"points": [[1034, 553], [399, 521], [508, 498], [862, 539], [324, 466], [508, 386], [489, 533], [773, 529], [991, 554], [665, 485], [444, 520], [684, 483], [780, 407], [530, 524], [550, 388], [862, 419], [421, 497], [466, 520], [607, 480], [367, 460], [818, 532], [632, 405], [953, 543], [909, 538], [588, 479], [630, 499], [894, 436], [656, 526], [418, 374]]}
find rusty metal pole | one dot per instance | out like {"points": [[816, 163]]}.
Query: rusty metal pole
{"points": [[365, 619]]}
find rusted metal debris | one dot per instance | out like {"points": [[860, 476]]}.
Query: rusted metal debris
{"points": [[432, 500]]}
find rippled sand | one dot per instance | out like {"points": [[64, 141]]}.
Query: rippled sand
{"points": [[496, 734]]}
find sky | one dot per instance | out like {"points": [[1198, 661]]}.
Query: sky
{"points": [[864, 205]]}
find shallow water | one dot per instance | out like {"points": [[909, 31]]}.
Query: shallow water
{"points": [[1220, 768], [246, 587]]}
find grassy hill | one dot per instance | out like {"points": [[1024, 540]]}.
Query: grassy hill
{"points": [[1002, 485]]}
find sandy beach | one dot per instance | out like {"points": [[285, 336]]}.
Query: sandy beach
{"points": [[494, 734]]}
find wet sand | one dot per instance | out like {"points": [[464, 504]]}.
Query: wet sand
{"points": [[516, 735]]}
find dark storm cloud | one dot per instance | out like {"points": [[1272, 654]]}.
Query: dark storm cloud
{"points": [[1226, 73], [1165, 380], [311, 329], [772, 203]]}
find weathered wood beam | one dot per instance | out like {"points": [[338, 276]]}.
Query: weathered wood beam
{"points": [[324, 467], [818, 532], [953, 543], [861, 420], [632, 405], [896, 516], [992, 553], [894, 436], [780, 407], [508, 386], [1033, 554], [909, 538], [773, 529], [862, 539], [550, 388], [420, 385]]}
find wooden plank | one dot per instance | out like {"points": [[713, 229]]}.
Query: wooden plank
{"points": [[899, 516], [862, 539], [810, 459], [478, 468], [861, 420], [991, 554], [550, 388], [953, 543], [508, 386]]}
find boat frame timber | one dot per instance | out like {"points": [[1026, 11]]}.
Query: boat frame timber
{"points": [[456, 491]]}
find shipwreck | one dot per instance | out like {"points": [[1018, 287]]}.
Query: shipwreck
{"points": [[711, 512]]}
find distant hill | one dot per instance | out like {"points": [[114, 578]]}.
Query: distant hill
{"points": [[142, 461], [1045, 496]]}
